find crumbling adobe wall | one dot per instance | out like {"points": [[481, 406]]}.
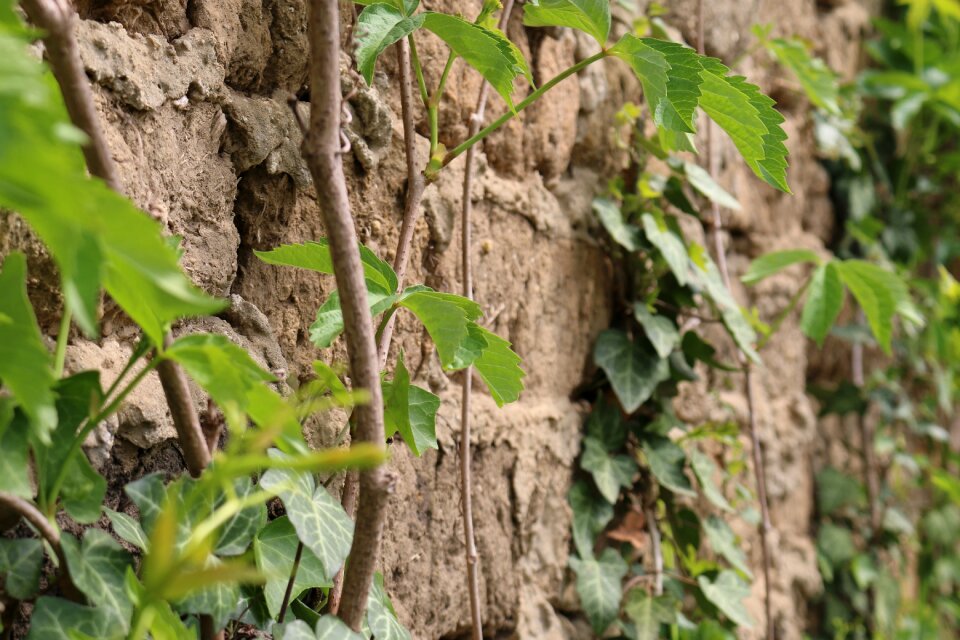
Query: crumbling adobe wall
{"points": [[193, 96]]}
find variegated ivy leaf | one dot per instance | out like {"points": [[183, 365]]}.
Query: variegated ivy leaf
{"points": [[275, 550], [610, 472], [128, 528], [599, 587], [20, 564], [58, 619], [218, 600], [237, 533], [633, 371], [591, 514], [381, 619], [321, 523], [727, 591], [98, 568], [333, 628], [647, 613]]}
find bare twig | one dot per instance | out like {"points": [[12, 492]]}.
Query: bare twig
{"points": [[759, 468], [322, 152], [36, 519], [466, 483]]}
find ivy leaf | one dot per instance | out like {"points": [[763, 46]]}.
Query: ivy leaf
{"points": [[701, 180], [26, 368], [329, 322], [724, 543], [379, 26], [610, 472], [333, 628], [218, 600], [835, 544], [598, 585], [775, 262], [381, 618], [590, 516], [296, 630], [816, 78], [661, 331], [149, 494], [727, 593], [648, 613], [449, 321], [486, 50], [836, 490], [633, 372], [606, 425], [98, 567], [238, 532], [749, 119], [128, 529], [669, 245], [321, 523], [876, 291], [499, 368], [410, 410], [704, 469], [57, 619], [590, 16], [824, 302], [667, 462], [274, 550], [612, 220], [20, 563]]}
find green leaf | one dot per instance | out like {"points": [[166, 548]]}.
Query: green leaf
{"points": [[727, 593], [238, 532], [824, 302], [633, 372], [486, 50], [876, 291], [836, 490], [333, 628], [749, 119], [724, 543], [606, 425], [15, 461], [669, 245], [149, 494], [835, 544], [609, 472], [26, 368], [730, 312], [704, 468], [381, 618], [667, 462], [775, 262], [499, 368], [315, 256], [329, 322], [661, 331], [296, 630], [700, 179], [275, 549], [321, 523], [648, 613], [590, 16], [818, 81], [449, 321], [611, 218], [98, 567], [598, 585], [20, 563], [218, 600], [410, 410], [379, 26], [590, 516], [56, 619], [128, 529]]}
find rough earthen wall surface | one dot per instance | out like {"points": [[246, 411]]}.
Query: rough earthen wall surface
{"points": [[193, 95]]}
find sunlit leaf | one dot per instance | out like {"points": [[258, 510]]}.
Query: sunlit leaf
{"points": [[590, 16], [775, 262], [379, 26], [824, 302], [727, 591], [410, 410]]}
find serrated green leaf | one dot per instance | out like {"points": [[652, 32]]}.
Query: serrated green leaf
{"points": [[610, 472], [333, 628], [612, 220], [57, 619], [775, 262], [724, 543], [704, 469], [486, 50], [20, 563], [410, 410], [633, 372], [727, 593], [499, 368], [26, 368], [876, 291], [315, 256], [590, 516], [381, 618], [379, 26], [275, 549], [321, 523], [449, 321], [128, 529], [648, 613], [818, 81], [407, 6], [598, 585], [329, 322], [98, 567], [667, 462], [660, 330], [824, 302], [590, 16], [671, 247]]}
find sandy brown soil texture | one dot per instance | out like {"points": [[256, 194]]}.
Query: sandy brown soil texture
{"points": [[193, 96]]}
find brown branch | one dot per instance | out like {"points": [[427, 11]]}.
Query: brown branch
{"points": [[321, 150], [32, 515], [759, 469], [293, 578]]}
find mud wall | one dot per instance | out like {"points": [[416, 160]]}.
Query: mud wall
{"points": [[194, 97]]}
